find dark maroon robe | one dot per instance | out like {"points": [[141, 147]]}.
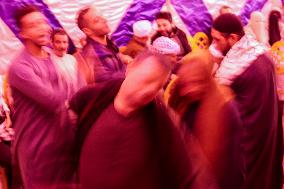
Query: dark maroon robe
{"points": [[141, 151], [218, 130], [257, 101], [214, 123]]}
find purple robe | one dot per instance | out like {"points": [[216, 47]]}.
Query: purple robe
{"points": [[257, 101], [42, 150]]}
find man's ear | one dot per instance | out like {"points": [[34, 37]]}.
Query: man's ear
{"points": [[233, 38], [51, 43], [87, 31], [22, 35]]}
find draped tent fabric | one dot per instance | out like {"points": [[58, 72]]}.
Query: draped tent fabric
{"points": [[8, 45], [250, 6], [194, 16], [8, 8], [66, 12], [214, 6], [138, 10]]}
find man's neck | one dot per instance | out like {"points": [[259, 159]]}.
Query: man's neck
{"points": [[100, 39], [122, 107], [59, 54], [140, 41], [35, 50]]}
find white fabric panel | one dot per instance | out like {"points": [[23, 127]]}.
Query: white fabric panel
{"points": [[9, 46], [66, 12], [269, 5], [214, 6]]}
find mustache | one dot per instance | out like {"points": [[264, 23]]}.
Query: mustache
{"points": [[61, 49]]}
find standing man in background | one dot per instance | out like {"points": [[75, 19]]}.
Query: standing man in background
{"points": [[65, 63], [167, 28], [249, 71], [100, 53]]}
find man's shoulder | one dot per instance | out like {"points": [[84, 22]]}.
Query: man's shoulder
{"points": [[155, 36], [70, 57], [134, 45], [263, 61], [20, 58], [88, 52], [179, 32], [259, 70], [95, 49], [265, 57]]}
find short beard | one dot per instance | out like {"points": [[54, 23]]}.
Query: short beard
{"points": [[226, 50], [167, 33]]}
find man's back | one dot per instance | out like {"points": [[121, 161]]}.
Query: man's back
{"points": [[141, 151], [117, 153]]}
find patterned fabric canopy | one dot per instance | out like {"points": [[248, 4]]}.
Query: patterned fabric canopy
{"points": [[191, 16]]}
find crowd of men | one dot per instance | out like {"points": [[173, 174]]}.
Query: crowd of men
{"points": [[100, 119]]}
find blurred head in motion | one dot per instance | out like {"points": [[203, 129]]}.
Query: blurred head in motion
{"points": [[33, 25], [208, 116], [145, 77], [194, 80]]}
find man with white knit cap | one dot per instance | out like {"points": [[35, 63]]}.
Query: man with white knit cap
{"points": [[141, 32], [168, 47]]}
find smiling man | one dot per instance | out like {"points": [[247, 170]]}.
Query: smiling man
{"points": [[42, 155], [100, 52], [167, 28], [65, 63]]}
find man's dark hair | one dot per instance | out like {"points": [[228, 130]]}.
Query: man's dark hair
{"points": [[80, 18], [23, 11], [228, 24], [164, 15], [58, 31], [225, 7]]}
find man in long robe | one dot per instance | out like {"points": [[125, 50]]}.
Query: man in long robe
{"points": [[249, 71], [42, 154], [126, 137], [212, 119]]}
